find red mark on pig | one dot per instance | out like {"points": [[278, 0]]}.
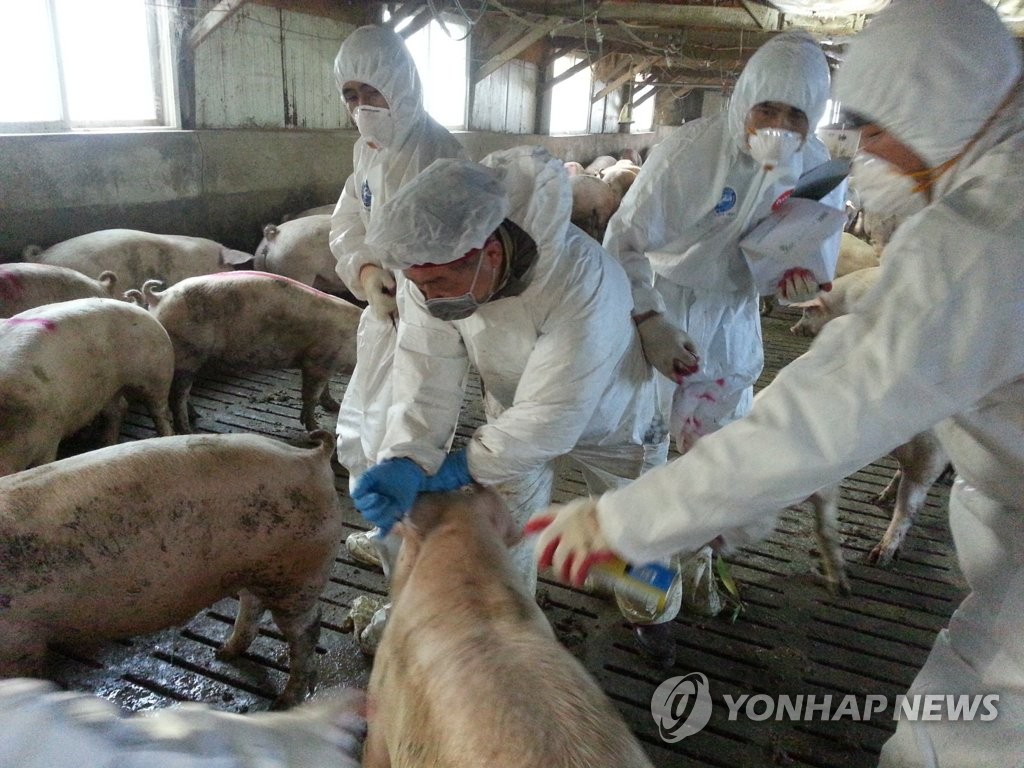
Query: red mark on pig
{"points": [[720, 382], [46, 325], [707, 396], [10, 285]]}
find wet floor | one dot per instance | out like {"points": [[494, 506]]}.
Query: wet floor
{"points": [[790, 638]]}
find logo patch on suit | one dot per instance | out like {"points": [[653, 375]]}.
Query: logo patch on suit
{"points": [[728, 201], [367, 195]]}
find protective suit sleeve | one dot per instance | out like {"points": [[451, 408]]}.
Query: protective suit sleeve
{"points": [[430, 367], [938, 333], [576, 354], [651, 212], [47, 728], [348, 232]]}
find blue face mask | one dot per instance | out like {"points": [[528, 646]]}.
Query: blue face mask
{"points": [[457, 307]]}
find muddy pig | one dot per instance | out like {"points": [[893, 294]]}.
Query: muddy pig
{"points": [[255, 320], [140, 536], [25, 286], [63, 364], [469, 672], [137, 256], [300, 249]]}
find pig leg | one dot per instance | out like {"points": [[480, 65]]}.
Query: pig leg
{"points": [[888, 495], [301, 629], [113, 414], [181, 386], [314, 384], [826, 531], [922, 461], [245, 629], [158, 407]]}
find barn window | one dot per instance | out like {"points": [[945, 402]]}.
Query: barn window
{"points": [[440, 56], [72, 64], [570, 98]]}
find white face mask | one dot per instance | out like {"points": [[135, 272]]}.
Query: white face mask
{"points": [[375, 124], [773, 147], [883, 189]]}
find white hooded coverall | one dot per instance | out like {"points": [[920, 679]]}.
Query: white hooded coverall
{"points": [[378, 57], [939, 340], [560, 363], [678, 229]]}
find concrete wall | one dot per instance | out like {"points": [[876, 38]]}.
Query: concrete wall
{"points": [[221, 184]]}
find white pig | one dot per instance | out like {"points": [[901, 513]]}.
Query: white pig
{"points": [[63, 364], [855, 254], [599, 163], [138, 537], [593, 203], [846, 291], [139, 256], [921, 459], [300, 249], [469, 672], [24, 286], [255, 320]]}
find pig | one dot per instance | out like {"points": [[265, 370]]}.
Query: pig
{"points": [[139, 256], [573, 168], [255, 320], [467, 654], [300, 249], [632, 156], [620, 178], [921, 460], [140, 536], [855, 254], [63, 364], [25, 286], [598, 164], [846, 291], [593, 203]]}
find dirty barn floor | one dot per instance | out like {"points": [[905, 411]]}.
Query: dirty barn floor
{"points": [[791, 637]]}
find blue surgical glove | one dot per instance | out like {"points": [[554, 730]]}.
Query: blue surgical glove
{"points": [[387, 491], [454, 473]]}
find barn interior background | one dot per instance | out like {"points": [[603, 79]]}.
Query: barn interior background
{"points": [[246, 127]]}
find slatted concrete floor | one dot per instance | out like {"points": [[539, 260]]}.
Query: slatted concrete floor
{"points": [[791, 639]]}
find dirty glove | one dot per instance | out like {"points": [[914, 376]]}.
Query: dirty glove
{"points": [[387, 491], [668, 348], [379, 288], [453, 474], [799, 285], [570, 540]]}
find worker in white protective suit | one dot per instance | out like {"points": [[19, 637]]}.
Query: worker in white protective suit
{"points": [[678, 233], [939, 340], [381, 90], [44, 727], [499, 279]]}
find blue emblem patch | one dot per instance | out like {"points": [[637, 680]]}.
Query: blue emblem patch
{"points": [[727, 202], [367, 195]]}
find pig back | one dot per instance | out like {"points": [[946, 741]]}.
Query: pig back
{"points": [[139, 536], [81, 352], [25, 286], [137, 256], [256, 319]]}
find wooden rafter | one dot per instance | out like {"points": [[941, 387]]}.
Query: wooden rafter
{"points": [[542, 29], [220, 13], [625, 77]]}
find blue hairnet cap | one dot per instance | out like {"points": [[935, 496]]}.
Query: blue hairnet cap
{"points": [[450, 208]]}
